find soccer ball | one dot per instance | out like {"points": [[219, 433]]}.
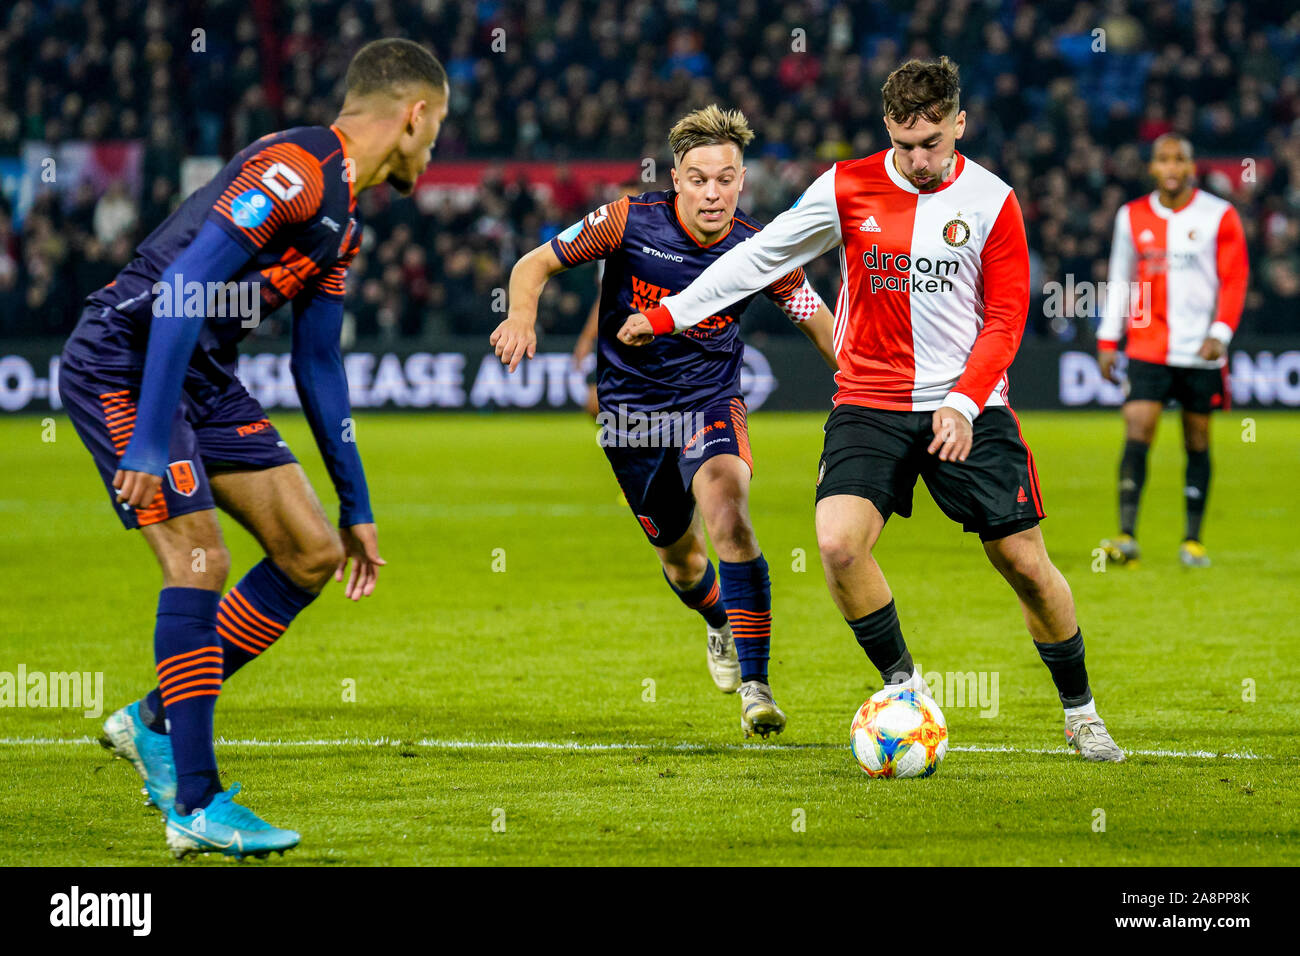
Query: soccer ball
{"points": [[899, 733]]}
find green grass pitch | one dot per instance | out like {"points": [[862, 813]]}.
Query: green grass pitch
{"points": [[503, 709]]}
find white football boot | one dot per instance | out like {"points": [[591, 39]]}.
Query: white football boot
{"points": [[758, 711], [724, 662], [1087, 734]]}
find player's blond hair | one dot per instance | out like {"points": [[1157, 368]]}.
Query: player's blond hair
{"points": [[710, 126]]}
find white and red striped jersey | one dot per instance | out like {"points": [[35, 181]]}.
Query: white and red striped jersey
{"points": [[1176, 276], [934, 286]]}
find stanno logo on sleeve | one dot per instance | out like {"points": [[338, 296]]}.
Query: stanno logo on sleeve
{"points": [[956, 233], [250, 208]]}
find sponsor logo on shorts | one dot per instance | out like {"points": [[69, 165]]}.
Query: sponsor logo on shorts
{"points": [[1021, 497], [182, 478], [821, 472], [690, 442], [252, 428]]}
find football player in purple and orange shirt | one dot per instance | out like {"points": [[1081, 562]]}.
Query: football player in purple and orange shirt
{"points": [[148, 379], [685, 390]]}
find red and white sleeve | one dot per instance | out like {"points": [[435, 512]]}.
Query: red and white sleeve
{"points": [[800, 234], [1117, 304], [1005, 262], [1234, 269]]}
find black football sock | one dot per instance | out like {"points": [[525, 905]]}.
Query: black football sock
{"points": [[1196, 490], [1065, 661], [881, 637], [1132, 476]]}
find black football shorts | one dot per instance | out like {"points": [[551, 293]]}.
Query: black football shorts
{"points": [[1197, 390], [878, 454]]}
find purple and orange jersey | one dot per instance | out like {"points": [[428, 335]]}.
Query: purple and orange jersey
{"points": [[288, 199], [649, 254]]}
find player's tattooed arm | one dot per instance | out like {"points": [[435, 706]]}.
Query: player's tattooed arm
{"points": [[517, 335]]}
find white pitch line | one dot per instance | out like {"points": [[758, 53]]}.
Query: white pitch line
{"points": [[597, 747]]}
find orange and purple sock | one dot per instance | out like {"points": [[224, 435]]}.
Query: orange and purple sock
{"points": [[703, 596], [747, 592], [250, 618], [188, 656]]}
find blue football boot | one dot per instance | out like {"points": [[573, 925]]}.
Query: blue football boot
{"points": [[128, 737], [226, 827]]}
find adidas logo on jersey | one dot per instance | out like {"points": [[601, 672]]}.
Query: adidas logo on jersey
{"points": [[869, 225], [1147, 236]]}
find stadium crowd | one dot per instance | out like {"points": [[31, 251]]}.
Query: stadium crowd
{"points": [[1060, 110]]}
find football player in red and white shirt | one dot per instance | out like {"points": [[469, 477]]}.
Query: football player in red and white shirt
{"points": [[932, 305], [1176, 285]]}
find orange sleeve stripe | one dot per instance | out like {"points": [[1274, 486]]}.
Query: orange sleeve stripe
{"points": [[298, 209], [335, 281], [788, 284], [601, 239]]}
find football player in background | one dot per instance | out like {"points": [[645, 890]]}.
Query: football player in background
{"points": [[150, 385], [1184, 253], [931, 309], [655, 244]]}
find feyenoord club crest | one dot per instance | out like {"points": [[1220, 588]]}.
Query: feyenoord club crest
{"points": [[956, 232]]}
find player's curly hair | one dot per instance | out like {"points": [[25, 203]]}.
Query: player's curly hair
{"points": [[710, 126], [393, 65], [928, 90]]}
